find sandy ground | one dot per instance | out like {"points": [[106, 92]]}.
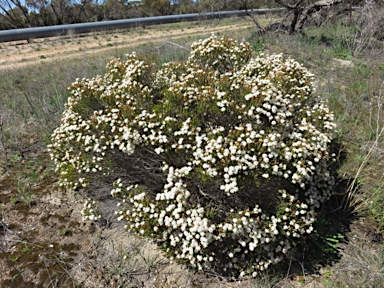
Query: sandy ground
{"points": [[18, 54]]}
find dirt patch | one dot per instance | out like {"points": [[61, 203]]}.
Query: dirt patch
{"points": [[18, 54]]}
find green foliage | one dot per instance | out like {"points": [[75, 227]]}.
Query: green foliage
{"points": [[376, 210], [347, 40], [26, 249], [321, 246], [13, 200], [24, 190], [63, 232], [258, 44]]}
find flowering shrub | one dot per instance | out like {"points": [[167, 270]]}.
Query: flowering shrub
{"points": [[222, 55], [89, 211], [231, 152]]}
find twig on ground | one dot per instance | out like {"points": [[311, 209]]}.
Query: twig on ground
{"points": [[18, 272], [170, 43]]}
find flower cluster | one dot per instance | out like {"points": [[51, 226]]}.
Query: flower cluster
{"points": [[89, 211], [244, 144], [222, 55]]}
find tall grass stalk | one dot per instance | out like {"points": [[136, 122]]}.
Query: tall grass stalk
{"points": [[2, 140], [35, 111], [351, 199]]}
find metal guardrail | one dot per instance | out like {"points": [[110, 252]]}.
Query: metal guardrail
{"points": [[50, 31]]}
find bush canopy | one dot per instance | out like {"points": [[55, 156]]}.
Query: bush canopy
{"points": [[222, 158]]}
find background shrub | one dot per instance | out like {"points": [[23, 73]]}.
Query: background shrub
{"points": [[221, 159]]}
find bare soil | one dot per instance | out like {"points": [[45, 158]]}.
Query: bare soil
{"points": [[18, 54]]}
